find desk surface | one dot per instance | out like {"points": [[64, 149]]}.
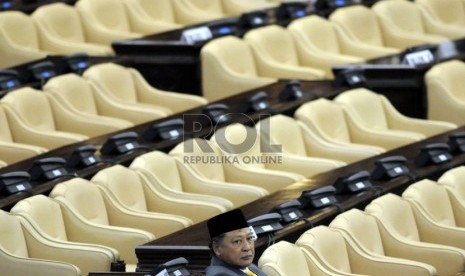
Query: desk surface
{"points": [[191, 242]]}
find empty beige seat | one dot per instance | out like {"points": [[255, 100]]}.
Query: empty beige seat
{"points": [[124, 230], [256, 182], [238, 7], [276, 55], [150, 17], [189, 12], [453, 181], [397, 220], [446, 98], [322, 44], [105, 21], [129, 87], [361, 24], [23, 250], [341, 255], [19, 39], [297, 139], [180, 181], [443, 18], [61, 31], [402, 24], [362, 229], [56, 226], [440, 210], [33, 117], [229, 68], [329, 121], [374, 112], [12, 149], [76, 94], [119, 179]]}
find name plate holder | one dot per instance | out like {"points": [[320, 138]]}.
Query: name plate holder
{"points": [[419, 58], [198, 34]]}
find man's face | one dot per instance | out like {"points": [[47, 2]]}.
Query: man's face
{"points": [[237, 248]]}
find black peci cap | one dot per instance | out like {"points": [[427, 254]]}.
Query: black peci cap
{"points": [[225, 222]]}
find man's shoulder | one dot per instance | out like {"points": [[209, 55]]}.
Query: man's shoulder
{"points": [[218, 270]]}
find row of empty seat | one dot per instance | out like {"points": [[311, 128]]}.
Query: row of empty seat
{"points": [[420, 233]]}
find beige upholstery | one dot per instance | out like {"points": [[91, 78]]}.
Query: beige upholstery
{"points": [[176, 176], [446, 98], [397, 221], [244, 145], [123, 228], [129, 86], [19, 39], [276, 55], [189, 12], [23, 250], [361, 24], [435, 25], [105, 21], [76, 95], [319, 45], [258, 182], [329, 121], [362, 229], [58, 226], [374, 112], [453, 181], [119, 179], [284, 258], [451, 12], [35, 120], [149, 17], [93, 101], [345, 257], [402, 24], [437, 210], [237, 7], [2, 164], [61, 31], [297, 139], [228, 68], [11, 147]]}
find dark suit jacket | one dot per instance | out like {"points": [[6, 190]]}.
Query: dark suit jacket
{"points": [[219, 268]]}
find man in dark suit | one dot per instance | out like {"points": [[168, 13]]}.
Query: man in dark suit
{"points": [[232, 246]]}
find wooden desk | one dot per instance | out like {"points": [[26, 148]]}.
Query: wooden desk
{"points": [[192, 242], [319, 88]]}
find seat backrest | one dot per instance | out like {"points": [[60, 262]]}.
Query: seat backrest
{"points": [[45, 213], [119, 180], [283, 258], [449, 76], [402, 14], [328, 245], [447, 11], [201, 148], [232, 54], [160, 166], [433, 199], [396, 215], [241, 141], [284, 131], [11, 235], [161, 10], [32, 106], [454, 180], [325, 116], [74, 90], [5, 134], [274, 43], [213, 6], [367, 106], [60, 20], [19, 29], [317, 31], [362, 227], [360, 23], [114, 79], [85, 198], [109, 13]]}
